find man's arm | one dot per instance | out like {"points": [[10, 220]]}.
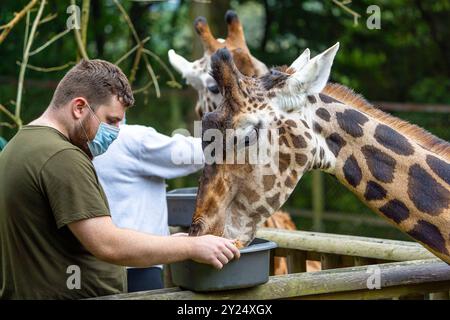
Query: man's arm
{"points": [[169, 157], [131, 248]]}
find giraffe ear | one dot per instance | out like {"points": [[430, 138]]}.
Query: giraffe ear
{"points": [[179, 63], [186, 69], [301, 61], [314, 75]]}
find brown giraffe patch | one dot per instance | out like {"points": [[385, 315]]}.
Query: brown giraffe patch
{"points": [[283, 140], [274, 201], [289, 182], [393, 140], [284, 161], [261, 210], [395, 210], [268, 182], [291, 123], [374, 191], [251, 195], [381, 165], [307, 135], [323, 114], [298, 141], [425, 192], [305, 124], [430, 235], [439, 167], [317, 127], [351, 121], [327, 99], [301, 159], [335, 143], [352, 171], [210, 206], [312, 99]]}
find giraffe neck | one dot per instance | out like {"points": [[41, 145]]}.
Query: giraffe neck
{"points": [[390, 172]]}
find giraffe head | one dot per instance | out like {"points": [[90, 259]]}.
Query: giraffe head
{"points": [[197, 73], [234, 198]]}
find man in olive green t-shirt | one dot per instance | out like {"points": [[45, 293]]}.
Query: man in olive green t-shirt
{"points": [[57, 239]]}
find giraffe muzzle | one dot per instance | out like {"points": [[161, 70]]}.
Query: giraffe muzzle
{"points": [[196, 229]]}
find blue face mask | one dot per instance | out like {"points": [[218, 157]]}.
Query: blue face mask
{"points": [[105, 135]]}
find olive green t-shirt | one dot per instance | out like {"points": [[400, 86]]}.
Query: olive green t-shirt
{"points": [[45, 184]]}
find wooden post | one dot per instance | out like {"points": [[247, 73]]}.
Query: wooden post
{"points": [[443, 295], [272, 263], [330, 261], [360, 261], [318, 200], [296, 261], [167, 276]]}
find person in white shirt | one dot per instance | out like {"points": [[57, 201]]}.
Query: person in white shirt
{"points": [[132, 172]]}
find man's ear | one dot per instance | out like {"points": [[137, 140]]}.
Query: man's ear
{"points": [[78, 106], [314, 75]]}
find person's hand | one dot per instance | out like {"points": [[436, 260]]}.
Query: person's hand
{"points": [[213, 250]]}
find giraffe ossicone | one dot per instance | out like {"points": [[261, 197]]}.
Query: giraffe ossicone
{"points": [[399, 170], [197, 73]]}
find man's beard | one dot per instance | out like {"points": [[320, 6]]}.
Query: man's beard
{"points": [[80, 139]]}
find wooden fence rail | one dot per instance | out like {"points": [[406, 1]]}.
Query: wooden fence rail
{"points": [[391, 250], [415, 272], [396, 279]]}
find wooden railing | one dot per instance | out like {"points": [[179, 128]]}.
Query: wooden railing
{"points": [[405, 270]]}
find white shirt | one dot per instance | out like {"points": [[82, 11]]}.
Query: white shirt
{"points": [[133, 171]]}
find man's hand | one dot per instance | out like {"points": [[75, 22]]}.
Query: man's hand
{"points": [[213, 250]]}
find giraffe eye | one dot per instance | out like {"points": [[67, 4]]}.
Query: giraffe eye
{"points": [[251, 138], [213, 88]]}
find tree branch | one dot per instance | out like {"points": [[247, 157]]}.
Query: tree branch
{"points": [[84, 20], [48, 69], [49, 42], [26, 55], [8, 27], [139, 42], [18, 122], [78, 39], [126, 55]]}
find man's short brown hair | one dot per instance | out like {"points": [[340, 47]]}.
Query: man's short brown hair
{"points": [[96, 81]]}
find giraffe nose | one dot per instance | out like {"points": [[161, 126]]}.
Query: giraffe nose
{"points": [[195, 229]]}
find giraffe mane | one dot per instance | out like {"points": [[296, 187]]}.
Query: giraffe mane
{"points": [[418, 134]]}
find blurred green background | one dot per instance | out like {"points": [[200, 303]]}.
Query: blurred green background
{"points": [[407, 60]]}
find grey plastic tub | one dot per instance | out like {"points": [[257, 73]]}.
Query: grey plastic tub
{"points": [[181, 206], [250, 270]]}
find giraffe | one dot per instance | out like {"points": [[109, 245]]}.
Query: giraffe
{"points": [[399, 170], [197, 74]]}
